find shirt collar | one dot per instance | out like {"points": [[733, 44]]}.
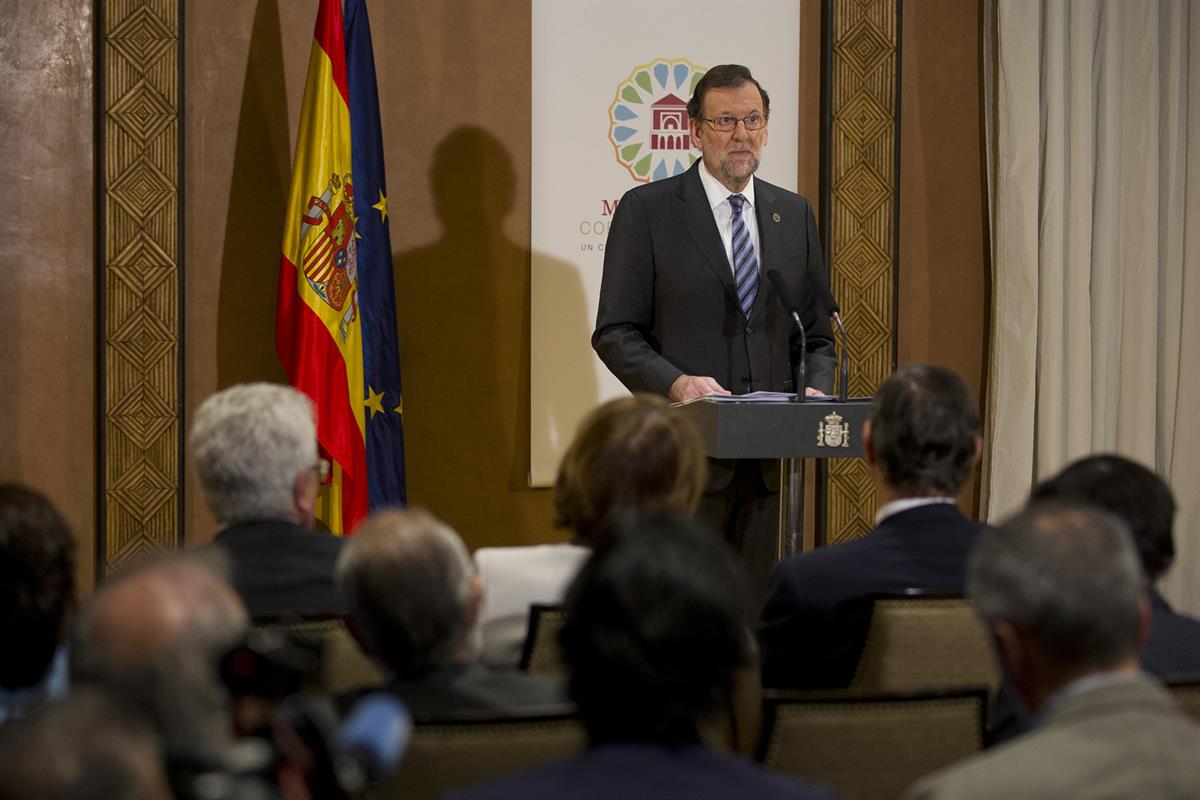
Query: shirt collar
{"points": [[718, 193], [907, 504]]}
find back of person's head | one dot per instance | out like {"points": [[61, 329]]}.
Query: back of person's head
{"points": [[37, 583], [412, 590], [86, 746], [1067, 574], [249, 444], [632, 454], [1129, 490], [924, 431], [156, 635], [654, 632]]}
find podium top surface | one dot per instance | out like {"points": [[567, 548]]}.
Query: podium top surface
{"points": [[809, 429]]}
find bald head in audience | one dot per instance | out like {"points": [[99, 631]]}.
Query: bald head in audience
{"points": [[156, 635], [87, 746], [1061, 586]]}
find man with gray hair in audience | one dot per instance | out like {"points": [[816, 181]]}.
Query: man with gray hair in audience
{"points": [[414, 595], [1060, 586], [254, 447]]}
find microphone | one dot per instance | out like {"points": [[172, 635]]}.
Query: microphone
{"points": [[370, 742], [793, 310], [832, 309]]}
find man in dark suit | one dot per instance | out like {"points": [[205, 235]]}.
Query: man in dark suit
{"points": [[653, 637], [1060, 587], [921, 444], [414, 597], [685, 308], [254, 447], [1144, 501]]}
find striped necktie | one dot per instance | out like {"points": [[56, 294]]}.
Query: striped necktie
{"points": [[745, 263]]}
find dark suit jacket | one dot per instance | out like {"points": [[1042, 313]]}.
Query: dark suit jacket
{"points": [[473, 689], [1173, 649], [1126, 739], [282, 569], [668, 305], [647, 772], [815, 621]]}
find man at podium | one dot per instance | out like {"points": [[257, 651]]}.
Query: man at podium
{"points": [[684, 308]]}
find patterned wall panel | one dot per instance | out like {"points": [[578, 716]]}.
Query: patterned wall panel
{"points": [[140, 305], [861, 192]]}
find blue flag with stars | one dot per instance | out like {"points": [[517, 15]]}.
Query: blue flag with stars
{"points": [[376, 287]]}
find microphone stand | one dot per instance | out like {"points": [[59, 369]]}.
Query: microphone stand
{"points": [[802, 367]]}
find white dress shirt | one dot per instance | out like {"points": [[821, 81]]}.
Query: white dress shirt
{"points": [[718, 201]]}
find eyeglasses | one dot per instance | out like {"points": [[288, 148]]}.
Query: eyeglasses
{"points": [[726, 123], [321, 468]]}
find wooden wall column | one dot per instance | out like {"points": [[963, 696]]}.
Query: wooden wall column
{"points": [[140, 334], [859, 212]]}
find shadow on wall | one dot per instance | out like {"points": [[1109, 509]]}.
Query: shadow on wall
{"points": [[257, 203], [463, 314]]}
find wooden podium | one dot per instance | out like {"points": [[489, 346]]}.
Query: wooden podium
{"points": [[788, 431]]}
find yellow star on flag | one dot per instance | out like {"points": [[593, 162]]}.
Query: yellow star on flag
{"points": [[374, 402], [381, 206], [400, 408]]}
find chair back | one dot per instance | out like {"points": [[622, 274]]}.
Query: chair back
{"points": [[869, 747], [917, 642], [460, 752], [344, 665], [541, 654], [1186, 692]]}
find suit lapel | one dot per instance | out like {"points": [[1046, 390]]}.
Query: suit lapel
{"points": [[697, 217], [768, 239]]}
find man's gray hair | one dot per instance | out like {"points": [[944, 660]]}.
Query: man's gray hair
{"points": [[1068, 574], [249, 442], [407, 577]]}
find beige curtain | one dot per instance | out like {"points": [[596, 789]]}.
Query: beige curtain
{"points": [[1094, 173]]}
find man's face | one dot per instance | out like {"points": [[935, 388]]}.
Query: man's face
{"points": [[731, 156]]}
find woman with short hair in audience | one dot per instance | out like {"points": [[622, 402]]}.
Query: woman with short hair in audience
{"points": [[632, 454]]}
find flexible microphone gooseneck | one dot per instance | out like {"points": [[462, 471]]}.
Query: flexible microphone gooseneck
{"points": [[832, 309], [785, 296]]}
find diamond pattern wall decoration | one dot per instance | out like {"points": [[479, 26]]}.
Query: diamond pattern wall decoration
{"points": [[141, 277], [862, 38]]}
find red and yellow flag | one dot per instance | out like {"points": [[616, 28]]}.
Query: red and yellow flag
{"points": [[318, 326]]}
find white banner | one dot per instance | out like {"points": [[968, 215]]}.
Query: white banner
{"points": [[610, 82]]}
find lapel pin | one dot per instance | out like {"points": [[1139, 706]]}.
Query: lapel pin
{"points": [[775, 216]]}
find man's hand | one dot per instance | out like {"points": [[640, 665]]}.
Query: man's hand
{"points": [[688, 387], [811, 392]]}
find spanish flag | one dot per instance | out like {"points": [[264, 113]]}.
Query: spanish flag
{"points": [[335, 327]]}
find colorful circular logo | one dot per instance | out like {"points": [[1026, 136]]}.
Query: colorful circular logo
{"points": [[648, 119]]}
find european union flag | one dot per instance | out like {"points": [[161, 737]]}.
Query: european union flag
{"points": [[376, 287]]}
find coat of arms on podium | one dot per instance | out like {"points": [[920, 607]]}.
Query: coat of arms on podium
{"points": [[832, 432]]}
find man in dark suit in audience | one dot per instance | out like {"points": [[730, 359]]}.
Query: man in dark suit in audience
{"points": [[1144, 501], [254, 447], [1061, 588], [921, 443], [653, 636], [414, 594]]}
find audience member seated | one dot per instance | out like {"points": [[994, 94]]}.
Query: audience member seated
{"points": [[653, 636], [630, 454], [254, 447], [414, 595], [1062, 590], [155, 635], [920, 444], [1144, 501], [87, 746], [37, 594]]}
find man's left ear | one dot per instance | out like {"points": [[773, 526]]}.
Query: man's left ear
{"points": [[978, 450]]}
